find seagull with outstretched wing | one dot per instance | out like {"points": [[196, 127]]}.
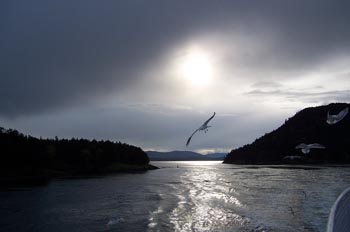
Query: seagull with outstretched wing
{"points": [[334, 118], [203, 127], [305, 148]]}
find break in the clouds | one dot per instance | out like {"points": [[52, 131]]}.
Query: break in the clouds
{"points": [[149, 72]]}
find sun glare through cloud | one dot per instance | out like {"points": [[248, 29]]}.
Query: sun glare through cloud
{"points": [[196, 67]]}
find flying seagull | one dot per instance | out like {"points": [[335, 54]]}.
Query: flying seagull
{"points": [[334, 118], [202, 127], [305, 148]]}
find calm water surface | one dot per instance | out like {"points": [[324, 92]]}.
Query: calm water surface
{"points": [[181, 196]]}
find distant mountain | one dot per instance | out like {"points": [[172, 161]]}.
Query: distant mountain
{"points": [[182, 156], [306, 126], [216, 156]]}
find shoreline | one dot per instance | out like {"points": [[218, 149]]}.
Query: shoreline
{"points": [[48, 175]]}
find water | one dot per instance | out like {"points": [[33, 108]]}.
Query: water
{"points": [[181, 196]]}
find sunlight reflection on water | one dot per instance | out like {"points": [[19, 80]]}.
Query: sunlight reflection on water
{"points": [[201, 209], [218, 197], [181, 196]]}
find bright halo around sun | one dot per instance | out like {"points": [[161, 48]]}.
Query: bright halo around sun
{"points": [[196, 67]]}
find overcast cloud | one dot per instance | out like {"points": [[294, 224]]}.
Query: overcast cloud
{"points": [[109, 69]]}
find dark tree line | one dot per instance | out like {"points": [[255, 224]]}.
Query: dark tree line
{"points": [[22, 154], [307, 126]]}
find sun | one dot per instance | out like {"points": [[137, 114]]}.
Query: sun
{"points": [[196, 67]]}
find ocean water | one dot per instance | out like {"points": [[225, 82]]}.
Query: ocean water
{"points": [[181, 196]]}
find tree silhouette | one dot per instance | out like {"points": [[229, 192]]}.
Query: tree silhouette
{"points": [[27, 155], [307, 126]]}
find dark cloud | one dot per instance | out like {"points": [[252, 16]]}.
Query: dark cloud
{"points": [[63, 52], [56, 54]]}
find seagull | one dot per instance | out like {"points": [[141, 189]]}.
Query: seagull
{"points": [[202, 127], [292, 157], [333, 119], [305, 148]]}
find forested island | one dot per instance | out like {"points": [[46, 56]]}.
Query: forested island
{"points": [[26, 158], [307, 126]]}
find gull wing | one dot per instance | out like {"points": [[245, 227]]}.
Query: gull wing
{"points": [[343, 113], [302, 145], [189, 139], [206, 122], [332, 119], [316, 145]]}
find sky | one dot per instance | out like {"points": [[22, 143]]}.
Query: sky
{"points": [[149, 73]]}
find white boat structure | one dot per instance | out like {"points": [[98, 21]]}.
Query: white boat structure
{"points": [[339, 217]]}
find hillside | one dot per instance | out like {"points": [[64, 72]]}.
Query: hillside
{"points": [[27, 156], [182, 156], [307, 126]]}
